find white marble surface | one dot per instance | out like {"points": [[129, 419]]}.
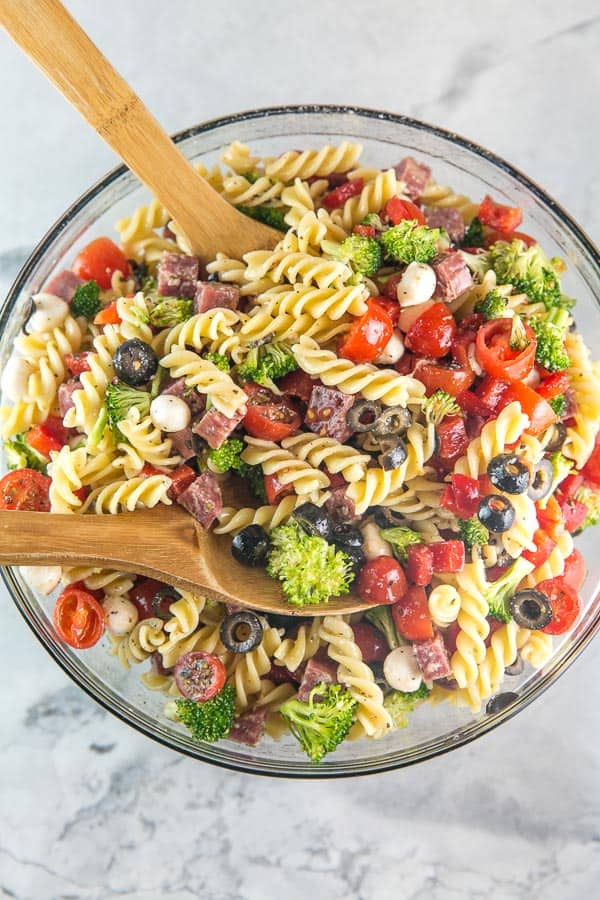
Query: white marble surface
{"points": [[89, 808]]}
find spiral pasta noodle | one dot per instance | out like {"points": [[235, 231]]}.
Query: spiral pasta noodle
{"points": [[296, 268], [535, 647], [289, 469], [439, 196], [146, 442], [207, 378], [444, 605], [292, 652], [129, 494], [373, 197], [111, 581], [232, 520], [241, 192], [306, 163], [248, 668], [145, 638], [585, 384], [501, 653], [324, 451], [239, 159]]}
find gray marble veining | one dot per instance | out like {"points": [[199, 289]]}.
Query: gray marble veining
{"points": [[91, 810]]}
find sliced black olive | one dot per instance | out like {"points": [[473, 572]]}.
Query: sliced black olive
{"points": [[214, 276], [501, 701], [346, 535], [363, 415], [276, 620], [162, 601], [135, 362], [541, 482], [508, 473], [385, 518], [357, 558], [558, 437], [394, 453], [241, 631], [530, 609], [496, 513], [313, 519], [517, 667], [250, 546], [394, 420]]}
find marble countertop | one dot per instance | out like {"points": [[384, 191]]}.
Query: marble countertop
{"points": [[89, 809]]}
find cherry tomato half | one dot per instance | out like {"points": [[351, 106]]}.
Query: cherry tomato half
{"points": [[270, 417], [99, 260], [432, 333], [591, 470], [564, 602], [452, 379], [368, 335], [108, 315], [371, 642], [50, 435], [382, 581], [412, 617], [199, 676], [25, 489], [78, 618], [494, 353], [77, 363], [553, 385]]}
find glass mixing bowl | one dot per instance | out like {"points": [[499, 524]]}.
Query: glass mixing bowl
{"points": [[386, 138]]}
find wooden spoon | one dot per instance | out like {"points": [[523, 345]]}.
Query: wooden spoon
{"points": [[164, 543], [52, 38]]}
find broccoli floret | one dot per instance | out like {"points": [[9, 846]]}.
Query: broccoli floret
{"points": [[559, 405], [264, 364], [561, 467], [493, 305], [310, 570], [381, 617], [410, 242], [374, 220], [86, 300], [590, 498], [401, 539], [171, 311], [255, 478], [227, 456], [363, 253], [121, 399], [498, 593], [210, 720], [518, 336], [529, 270], [474, 234], [274, 216], [440, 405], [550, 351], [400, 703], [97, 431], [322, 723], [149, 284], [19, 455], [478, 263], [473, 532], [220, 361]]}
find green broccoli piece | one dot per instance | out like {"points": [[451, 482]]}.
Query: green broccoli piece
{"points": [[550, 351], [561, 467], [559, 405], [591, 499], [440, 405], [474, 234], [518, 336], [322, 723], [19, 455], [381, 617], [121, 399], [149, 284], [171, 311], [498, 593], [373, 220], [310, 570], [363, 253], [529, 270], [410, 242], [493, 305], [401, 539], [400, 703], [473, 532], [86, 300], [210, 720], [478, 263], [220, 361], [227, 456], [274, 216], [97, 431], [266, 363]]}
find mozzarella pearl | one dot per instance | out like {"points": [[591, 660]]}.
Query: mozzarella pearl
{"points": [[374, 545], [50, 312], [401, 670], [41, 578], [170, 413], [15, 377], [393, 350], [417, 284], [120, 615]]}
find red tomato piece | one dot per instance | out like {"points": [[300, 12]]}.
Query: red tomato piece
{"points": [[371, 642], [365, 230], [77, 363], [108, 315], [338, 196], [25, 489], [575, 570], [381, 581], [544, 545], [498, 216], [494, 353], [78, 618], [432, 333], [368, 335], [181, 478], [152, 598], [491, 392], [564, 602], [82, 492], [275, 490], [553, 385], [50, 435], [472, 405], [411, 615], [550, 518], [397, 210], [540, 413], [448, 556], [454, 380], [462, 496], [571, 484], [99, 260], [269, 416], [574, 513], [419, 565], [591, 470], [453, 438], [199, 675], [392, 307], [297, 384]]}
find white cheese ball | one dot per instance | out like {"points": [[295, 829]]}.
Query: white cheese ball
{"points": [[374, 545], [401, 670], [41, 578], [15, 377], [393, 350], [417, 284], [170, 413], [50, 312], [120, 615]]}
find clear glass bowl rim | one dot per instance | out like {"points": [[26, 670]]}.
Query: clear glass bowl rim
{"points": [[435, 748]]}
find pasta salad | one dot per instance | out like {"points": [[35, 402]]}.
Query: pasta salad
{"points": [[399, 391]]}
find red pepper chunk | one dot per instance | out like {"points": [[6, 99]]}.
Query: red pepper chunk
{"points": [[461, 496], [419, 566], [498, 216], [448, 556], [544, 545], [411, 615], [338, 196], [591, 470], [574, 513], [397, 210], [432, 333], [368, 335], [181, 478], [50, 435], [453, 438]]}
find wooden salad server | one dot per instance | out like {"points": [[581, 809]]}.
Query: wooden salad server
{"points": [[165, 543], [58, 45]]}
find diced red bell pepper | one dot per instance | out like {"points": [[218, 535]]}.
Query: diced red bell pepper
{"points": [[571, 484], [550, 517], [574, 513], [412, 617], [365, 230], [544, 545], [498, 215], [275, 490], [77, 363], [541, 415], [448, 556], [148, 470], [553, 385], [181, 479], [461, 496], [50, 435], [108, 315], [419, 565], [452, 437], [491, 392], [591, 470], [338, 196], [397, 210], [82, 492]]}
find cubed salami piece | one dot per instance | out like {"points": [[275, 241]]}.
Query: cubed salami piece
{"points": [[319, 668], [177, 275], [414, 175], [339, 506], [65, 395], [326, 413], [215, 427], [183, 443], [448, 219], [211, 294], [452, 274], [432, 658], [249, 728], [63, 285], [203, 499], [194, 400]]}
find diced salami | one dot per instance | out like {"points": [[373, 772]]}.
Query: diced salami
{"points": [[282, 675], [452, 274], [448, 219], [63, 285], [326, 413], [319, 668], [249, 728], [177, 275], [65, 395], [340, 507], [414, 175], [183, 443], [194, 400], [432, 658], [215, 427], [211, 294], [203, 499]]}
